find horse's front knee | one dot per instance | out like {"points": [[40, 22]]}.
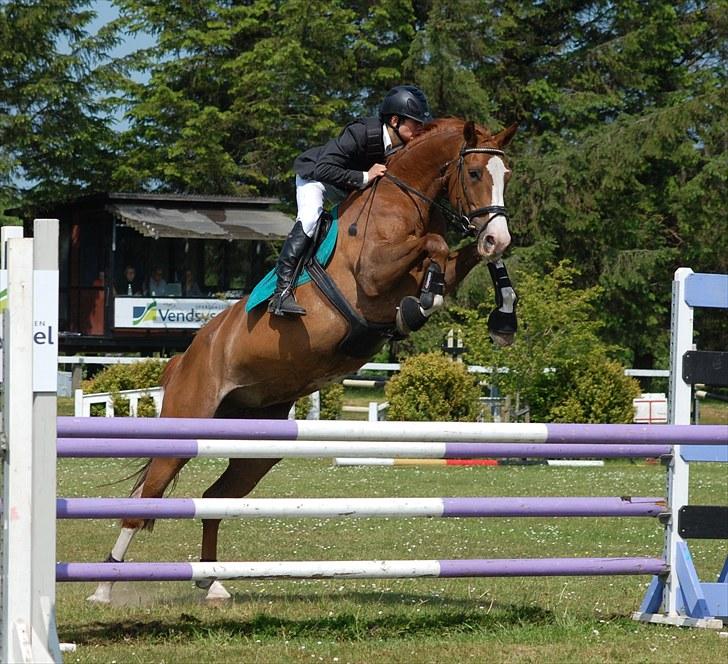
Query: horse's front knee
{"points": [[436, 248], [413, 312]]}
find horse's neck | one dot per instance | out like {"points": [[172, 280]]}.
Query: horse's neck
{"points": [[386, 232], [420, 165]]}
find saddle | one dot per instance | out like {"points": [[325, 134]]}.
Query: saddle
{"points": [[364, 337]]}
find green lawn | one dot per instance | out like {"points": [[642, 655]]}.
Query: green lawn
{"points": [[427, 620]]}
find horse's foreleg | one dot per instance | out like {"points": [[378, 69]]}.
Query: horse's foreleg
{"points": [[459, 264], [157, 477], [502, 322], [413, 312], [385, 264], [239, 479]]}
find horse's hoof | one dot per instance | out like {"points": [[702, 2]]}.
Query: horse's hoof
{"points": [[217, 593], [410, 316], [502, 340], [502, 323], [102, 594]]}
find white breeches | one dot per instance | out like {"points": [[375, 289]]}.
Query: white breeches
{"points": [[310, 197]]}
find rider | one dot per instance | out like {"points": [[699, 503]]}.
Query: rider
{"points": [[354, 160]]}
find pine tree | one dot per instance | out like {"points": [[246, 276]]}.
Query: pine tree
{"points": [[55, 127]]}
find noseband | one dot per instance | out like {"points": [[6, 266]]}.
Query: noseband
{"points": [[464, 220]]}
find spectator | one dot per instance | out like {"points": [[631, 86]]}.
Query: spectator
{"points": [[129, 284], [157, 284], [189, 286]]}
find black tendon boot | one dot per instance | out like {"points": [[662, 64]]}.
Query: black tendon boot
{"points": [[294, 248]]}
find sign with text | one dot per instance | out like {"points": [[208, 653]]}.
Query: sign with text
{"points": [[166, 312], [45, 327]]}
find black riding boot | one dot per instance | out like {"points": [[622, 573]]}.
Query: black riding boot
{"points": [[292, 253]]}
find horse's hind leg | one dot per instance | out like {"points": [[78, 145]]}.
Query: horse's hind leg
{"points": [[239, 479], [155, 479]]}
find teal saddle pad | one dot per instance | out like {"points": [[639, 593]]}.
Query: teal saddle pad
{"points": [[265, 287]]}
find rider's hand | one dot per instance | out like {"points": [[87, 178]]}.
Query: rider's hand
{"points": [[375, 172]]}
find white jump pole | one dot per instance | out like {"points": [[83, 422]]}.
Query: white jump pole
{"points": [[681, 340], [45, 386], [28, 617], [17, 485]]}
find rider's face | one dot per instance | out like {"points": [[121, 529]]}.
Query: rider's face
{"points": [[408, 128]]}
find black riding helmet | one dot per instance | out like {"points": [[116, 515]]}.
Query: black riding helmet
{"points": [[406, 101]]}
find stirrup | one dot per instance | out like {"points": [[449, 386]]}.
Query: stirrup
{"points": [[284, 304]]}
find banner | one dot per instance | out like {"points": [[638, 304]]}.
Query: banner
{"points": [[167, 312], [45, 328]]}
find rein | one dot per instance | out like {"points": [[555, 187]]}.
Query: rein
{"points": [[462, 220]]}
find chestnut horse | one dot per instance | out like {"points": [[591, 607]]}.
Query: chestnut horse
{"points": [[254, 365]]}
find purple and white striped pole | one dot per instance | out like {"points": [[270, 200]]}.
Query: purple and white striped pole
{"points": [[444, 432], [221, 508], [358, 569], [187, 448]]}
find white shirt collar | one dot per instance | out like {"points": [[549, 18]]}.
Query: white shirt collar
{"points": [[386, 138]]}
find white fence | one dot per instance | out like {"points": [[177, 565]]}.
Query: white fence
{"points": [[83, 402]]}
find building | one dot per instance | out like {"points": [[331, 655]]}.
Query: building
{"points": [[208, 250]]}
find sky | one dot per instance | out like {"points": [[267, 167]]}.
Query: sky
{"points": [[106, 12]]}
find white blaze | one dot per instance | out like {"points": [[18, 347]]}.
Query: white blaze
{"points": [[497, 228], [497, 170]]}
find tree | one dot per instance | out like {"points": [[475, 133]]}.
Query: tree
{"points": [[55, 126], [237, 91], [620, 164]]}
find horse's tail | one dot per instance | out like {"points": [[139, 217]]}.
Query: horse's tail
{"points": [[139, 477]]}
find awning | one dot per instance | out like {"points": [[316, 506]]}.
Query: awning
{"points": [[232, 223]]}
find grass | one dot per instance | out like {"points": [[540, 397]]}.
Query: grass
{"points": [[713, 412], [423, 620]]}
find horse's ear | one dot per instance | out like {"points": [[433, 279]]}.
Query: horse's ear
{"points": [[469, 134], [503, 137]]}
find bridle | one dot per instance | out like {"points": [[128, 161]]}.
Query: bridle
{"points": [[463, 220]]}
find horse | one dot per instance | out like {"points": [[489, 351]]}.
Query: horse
{"points": [[250, 364]]}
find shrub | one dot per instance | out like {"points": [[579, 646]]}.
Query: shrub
{"points": [[137, 376], [593, 389], [431, 387], [331, 398]]}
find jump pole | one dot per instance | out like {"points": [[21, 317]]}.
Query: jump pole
{"points": [[359, 569], [459, 507], [29, 410], [312, 449], [456, 433]]}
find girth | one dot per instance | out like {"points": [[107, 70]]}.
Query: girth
{"points": [[364, 338]]}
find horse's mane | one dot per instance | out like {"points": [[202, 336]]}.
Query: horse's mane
{"points": [[434, 128]]}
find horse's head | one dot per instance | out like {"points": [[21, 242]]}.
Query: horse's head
{"points": [[476, 180]]}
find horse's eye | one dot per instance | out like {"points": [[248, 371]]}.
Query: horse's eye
{"points": [[474, 173]]}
